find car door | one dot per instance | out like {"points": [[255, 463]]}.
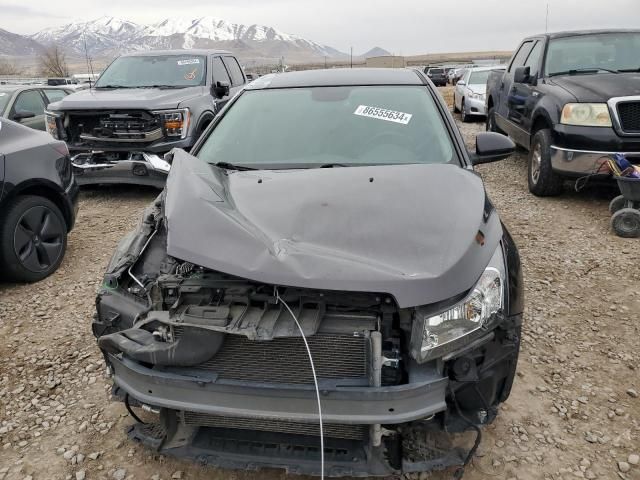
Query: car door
{"points": [[220, 74], [237, 77], [524, 96], [29, 101], [504, 89]]}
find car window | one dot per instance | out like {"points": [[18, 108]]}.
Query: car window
{"points": [[479, 78], [534, 59], [234, 69], [520, 57], [436, 71], [29, 101], [54, 95], [220, 73], [309, 127]]}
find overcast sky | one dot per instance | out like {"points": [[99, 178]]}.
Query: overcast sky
{"points": [[404, 27]]}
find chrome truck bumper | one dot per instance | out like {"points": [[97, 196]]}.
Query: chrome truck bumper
{"points": [[571, 162], [138, 168]]}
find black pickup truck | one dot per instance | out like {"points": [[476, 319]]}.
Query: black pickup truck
{"points": [[572, 99]]}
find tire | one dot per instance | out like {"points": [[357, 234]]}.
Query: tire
{"points": [[491, 125], [543, 181], [455, 109], [33, 239], [463, 114], [626, 223]]}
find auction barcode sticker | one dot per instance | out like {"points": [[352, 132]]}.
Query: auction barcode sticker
{"points": [[383, 114], [190, 61]]}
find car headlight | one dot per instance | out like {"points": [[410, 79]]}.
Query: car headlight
{"points": [[175, 123], [436, 333], [586, 114], [477, 96], [52, 124]]}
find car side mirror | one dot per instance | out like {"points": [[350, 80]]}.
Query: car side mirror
{"points": [[221, 89], [522, 75], [491, 147], [461, 82], [22, 115]]}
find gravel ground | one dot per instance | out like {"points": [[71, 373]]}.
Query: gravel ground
{"points": [[574, 411]]}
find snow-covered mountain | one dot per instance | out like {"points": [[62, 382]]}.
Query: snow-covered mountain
{"points": [[14, 44], [110, 36]]}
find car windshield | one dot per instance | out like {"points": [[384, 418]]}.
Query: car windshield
{"points": [[330, 126], [437, 71], [4, 99], [154, 70], [606, 51], [479, 78]]}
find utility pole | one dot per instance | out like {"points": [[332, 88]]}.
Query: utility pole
{"points": [[351, 57], [546, 21]]}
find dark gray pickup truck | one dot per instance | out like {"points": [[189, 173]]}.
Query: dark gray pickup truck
{"points": [[573, 100], [143, 105]]}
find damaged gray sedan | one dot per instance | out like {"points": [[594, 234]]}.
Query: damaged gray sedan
{"points": [[323, 286]]}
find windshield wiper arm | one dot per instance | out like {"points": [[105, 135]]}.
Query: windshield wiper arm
{"points": [[333, 165], [629, 69], [161, 86], [112, 86], [231, 166], [575, 71]]}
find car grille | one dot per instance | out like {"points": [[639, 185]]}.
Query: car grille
{"points": [[285, 360], [629, 114], [347, 432]]}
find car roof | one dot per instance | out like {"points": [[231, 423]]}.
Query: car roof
{"points": [[576, 33], [195, 51], [338, 77]]}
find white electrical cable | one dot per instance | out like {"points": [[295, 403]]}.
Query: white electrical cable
{"points": [[315, 381]]}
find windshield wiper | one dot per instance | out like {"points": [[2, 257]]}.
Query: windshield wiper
{"points": [[112, 86], [575, 71], [629, 70], [161, 86], [333, 165], [231, 166]]}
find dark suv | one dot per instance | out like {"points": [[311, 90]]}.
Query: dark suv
{"points": [[437, 75], [325, 289], [38, 197]]}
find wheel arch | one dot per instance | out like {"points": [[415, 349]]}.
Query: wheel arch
{"points": [[46, 189], [203, 122]]}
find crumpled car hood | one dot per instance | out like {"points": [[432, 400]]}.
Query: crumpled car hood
{"points": [[410, 231]]}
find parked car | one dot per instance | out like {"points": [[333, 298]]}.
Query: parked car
{"points": [[344, 209], [436, 75], [38, 202], [143, 105], [26, 103], [571, 99], [469, 94]]}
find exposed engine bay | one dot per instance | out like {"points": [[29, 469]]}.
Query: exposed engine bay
{"points": [[220, 361]]}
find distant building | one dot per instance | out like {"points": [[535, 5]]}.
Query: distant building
{"points": [[386, 61]]}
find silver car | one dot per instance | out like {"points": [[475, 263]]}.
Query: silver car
{"points": [[470, 92]]}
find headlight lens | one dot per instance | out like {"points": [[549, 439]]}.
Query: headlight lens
{"points": [[51, 124], [477, 96], [174, 122], [586, 114], [435, 334]]}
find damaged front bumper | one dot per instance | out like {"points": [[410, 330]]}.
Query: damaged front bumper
{"points": [[139, 168]]}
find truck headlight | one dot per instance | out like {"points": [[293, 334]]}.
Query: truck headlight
{"points": [[436, 333], [175, 123], [586, 115], [52, 124]]}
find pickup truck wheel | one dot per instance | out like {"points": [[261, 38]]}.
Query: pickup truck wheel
{"points": [[491, 125], [543, 181], [626, 223], [33, 239]]}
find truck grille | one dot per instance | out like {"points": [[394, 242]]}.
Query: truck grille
{"points": [[115, 126], [629, 114], [285, 360], [347, 432]]}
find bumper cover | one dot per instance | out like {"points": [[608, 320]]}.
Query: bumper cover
{"points": [[139, 169], [474, 106], [584, 162]]}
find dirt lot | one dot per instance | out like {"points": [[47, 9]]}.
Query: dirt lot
{"points": [[574, 411]]}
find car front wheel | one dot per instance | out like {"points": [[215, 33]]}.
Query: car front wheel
{"points": [[543, 181], [33, 239], [463, 112]]}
